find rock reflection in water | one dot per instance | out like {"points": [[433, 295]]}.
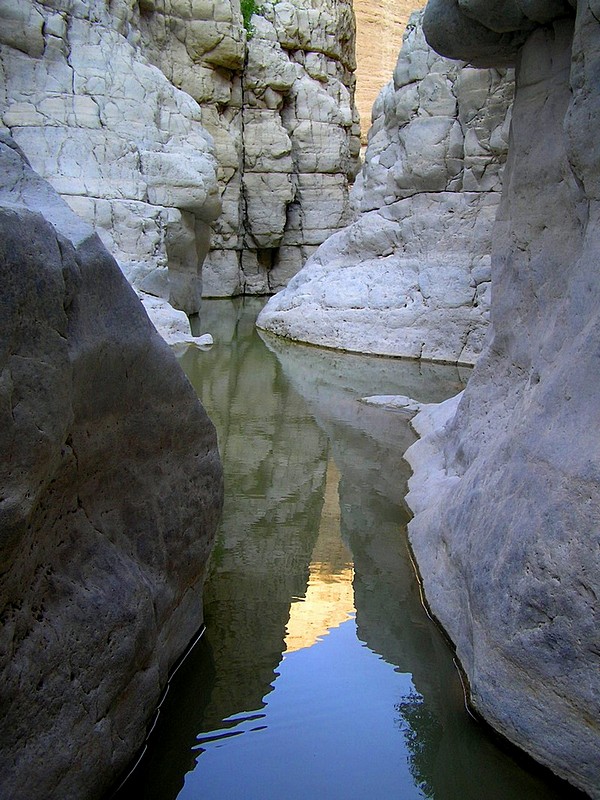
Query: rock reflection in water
{"points": [[280, 699], [329, 598], [451, 755]]}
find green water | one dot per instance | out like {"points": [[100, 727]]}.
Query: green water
{"points": [[320, 674]]}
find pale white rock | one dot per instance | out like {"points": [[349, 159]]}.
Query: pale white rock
{"points": [[317, 146], [221, 275], [321, 208], [506, 487], [298, 66], [268, 65], [112, 134], [391, 402], [267, 146], [173, 325], [410, 276], [22, 27], [430, 473], [121, 106], [267, 197], [299, 121]]}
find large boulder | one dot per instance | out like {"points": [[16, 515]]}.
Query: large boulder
{"points": [[110, 493], [506, 490], [410, 276]]}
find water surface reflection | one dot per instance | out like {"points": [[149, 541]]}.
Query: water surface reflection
{"points": [[320, 675]]}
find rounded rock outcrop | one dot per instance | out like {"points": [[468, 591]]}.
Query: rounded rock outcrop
{"points": [[410, 276]]}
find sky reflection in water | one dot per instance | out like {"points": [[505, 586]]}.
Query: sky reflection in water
{"points": [[329, 730], [320, 675]]}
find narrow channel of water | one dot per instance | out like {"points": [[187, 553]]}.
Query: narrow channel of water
{"points": [[320, 675]]}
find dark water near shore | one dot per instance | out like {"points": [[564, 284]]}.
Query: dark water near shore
{"points": [[320, 674]]}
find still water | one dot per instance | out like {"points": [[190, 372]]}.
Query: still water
{"points": [[320, 674]]}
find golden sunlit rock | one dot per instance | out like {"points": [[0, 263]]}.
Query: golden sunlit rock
{"points": [[329, 599], [380, 27]]}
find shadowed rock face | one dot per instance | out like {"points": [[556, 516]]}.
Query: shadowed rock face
{"points": [[110, 492], [506, 490], [488, 34]]}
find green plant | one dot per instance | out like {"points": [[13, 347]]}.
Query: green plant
{"points": [[248, 8]]}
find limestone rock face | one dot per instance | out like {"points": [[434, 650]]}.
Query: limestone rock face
{"points": [[506, 490], [120, 105], [111, 489], [122, 145], [411, 276], [296, 148]]}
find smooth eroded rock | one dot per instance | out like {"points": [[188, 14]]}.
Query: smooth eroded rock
{"points": [[411, 276], [506, 487], [110, 493]]}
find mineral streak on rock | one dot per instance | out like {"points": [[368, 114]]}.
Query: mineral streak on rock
{"points": [[110, 492], [506, 486], [411, 276]]}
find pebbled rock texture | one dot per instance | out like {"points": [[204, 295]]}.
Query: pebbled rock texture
{"points": [[411, 275], [506, 486], [110, 492]]}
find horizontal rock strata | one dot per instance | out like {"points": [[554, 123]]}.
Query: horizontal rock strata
{"points": [[411, 276], [380, 26], [506, 490], [110, 490]]}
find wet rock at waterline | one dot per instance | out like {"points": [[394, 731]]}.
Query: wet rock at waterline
{"points": [[110, 492], [411, 276], [506, 490]]}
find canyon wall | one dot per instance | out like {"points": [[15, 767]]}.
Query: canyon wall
{"points": [[115, 138], [506, 485], [108, 506], [123, 107], [411, 275], [292, 150], [380, 26]]}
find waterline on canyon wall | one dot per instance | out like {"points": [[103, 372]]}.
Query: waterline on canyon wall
{"points": [[320, 674]]}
